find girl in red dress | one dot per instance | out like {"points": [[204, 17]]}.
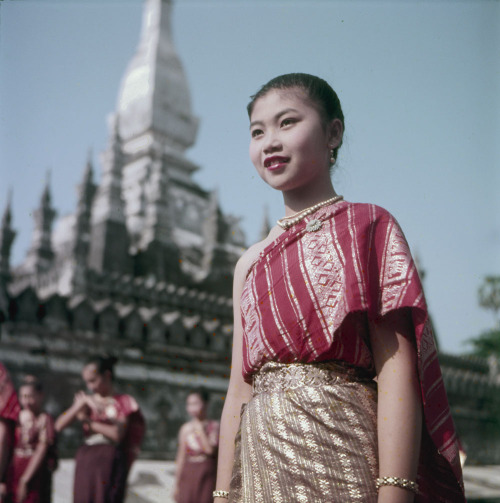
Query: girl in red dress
{"points": [[9, 410], [113, 426], [197, 453], [335, 391], [30, 472]]}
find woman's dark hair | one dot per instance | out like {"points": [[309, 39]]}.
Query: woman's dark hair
{"points": [[201, 392], [103, 363], [319, 92], [31, 380]]}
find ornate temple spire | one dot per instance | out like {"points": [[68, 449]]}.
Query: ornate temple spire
{"points": [[210, 231], [108, 204], [41, 254], [86, 192], [154, 103], [109, 241], [157, 225], [7, 235], [266, 226]]}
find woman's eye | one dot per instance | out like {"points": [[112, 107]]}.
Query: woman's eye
{"points": [[287, 122], [256, 132]]}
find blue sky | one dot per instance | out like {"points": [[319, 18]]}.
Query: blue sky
{"points": [[419, 83]]}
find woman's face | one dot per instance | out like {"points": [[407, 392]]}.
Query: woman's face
{"points": [[195, 406], [290, 146], [96, 382], [30, 399]]}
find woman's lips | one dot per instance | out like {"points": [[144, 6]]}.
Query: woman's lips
{"points": [[275, 162]]}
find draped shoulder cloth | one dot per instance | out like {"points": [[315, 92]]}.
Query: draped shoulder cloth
{"points": [[309, 296], [9, 405]]}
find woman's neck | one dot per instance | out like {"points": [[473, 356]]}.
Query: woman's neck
{"points": [[299, 200]]}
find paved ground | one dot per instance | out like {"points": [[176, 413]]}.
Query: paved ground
{"points": [[152, 482], [149, 482]]}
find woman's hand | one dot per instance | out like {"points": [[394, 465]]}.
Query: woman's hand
{"points": [[175, 494], [399, 406], [3, 491], [22, 490], [77, 410]]}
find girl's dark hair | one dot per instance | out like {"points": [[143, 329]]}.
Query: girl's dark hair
{"points": [[201, 392], [319, 92], [103, 363], [31, 380]]}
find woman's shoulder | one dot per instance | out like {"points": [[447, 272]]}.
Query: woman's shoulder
{"points": [[369, 213], [126, 402], [254, 251]]}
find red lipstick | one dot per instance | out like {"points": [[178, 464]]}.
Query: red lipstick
{"points": [[275, 162]]}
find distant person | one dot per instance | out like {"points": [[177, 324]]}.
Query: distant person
{"points": [[9, 412], [196, 461], [335, 393], [113, 426], [33, 463]]}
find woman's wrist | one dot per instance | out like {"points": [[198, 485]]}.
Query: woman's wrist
{"points": [[220, 495]]}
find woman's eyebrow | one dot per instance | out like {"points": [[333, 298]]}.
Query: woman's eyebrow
{"points": [[276, 117]]}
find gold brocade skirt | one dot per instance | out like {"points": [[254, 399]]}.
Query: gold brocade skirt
{"points": [[308, 435]]}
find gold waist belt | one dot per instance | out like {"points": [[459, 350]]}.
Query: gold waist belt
{"points": [[275, 376]]}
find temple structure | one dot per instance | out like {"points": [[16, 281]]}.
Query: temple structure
{"points": [[143, 269]]}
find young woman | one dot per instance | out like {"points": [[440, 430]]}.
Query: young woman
{"points": [[9, 412], [30, 473], [113, 426], [334, 367], [196, 460]]}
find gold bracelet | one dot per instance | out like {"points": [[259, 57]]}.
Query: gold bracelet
{"points": [[221, 494], [398, 482]]}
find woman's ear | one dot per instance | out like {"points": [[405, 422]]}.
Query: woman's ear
{"points": [[335, 133]]}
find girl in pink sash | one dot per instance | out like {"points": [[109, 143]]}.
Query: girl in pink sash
{"points": [[196, 461], [33, 461], [9, 411], [334, 369], [113, 426]]}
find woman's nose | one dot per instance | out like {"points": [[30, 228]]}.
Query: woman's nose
{"points": [[272, 143]]}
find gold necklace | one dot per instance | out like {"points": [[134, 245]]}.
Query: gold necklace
{"points": [[287, 222]]}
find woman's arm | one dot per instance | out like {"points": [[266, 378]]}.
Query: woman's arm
{"points": [[239, 392], [115, 432], [180, 459], [69, 415], [206, 446], [33, 465], [399, 403], [5, 446]]}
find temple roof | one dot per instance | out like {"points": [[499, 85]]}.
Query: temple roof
{"points": [[154, 98]]}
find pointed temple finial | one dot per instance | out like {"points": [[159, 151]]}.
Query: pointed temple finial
{"points": [[7, 235], [7, 214], [154, 98], [41, 254], [109, 243], [266, 226]]}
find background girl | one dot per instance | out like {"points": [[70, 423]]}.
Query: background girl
{"points": [[33, 462], [113, 426], [196, 462], [9, 411]]}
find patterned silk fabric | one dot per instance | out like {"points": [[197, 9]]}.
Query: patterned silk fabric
{"points": [[118, 409], [308, 298], [9, 405], [32, 430], [309, 435]]}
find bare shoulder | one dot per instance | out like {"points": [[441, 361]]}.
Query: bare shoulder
{"points": [[185, 429], [252, 253]]}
